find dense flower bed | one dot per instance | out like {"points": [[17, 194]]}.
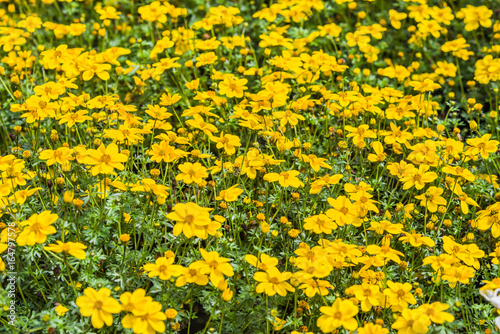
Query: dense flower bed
{"points": [[298, 166]]}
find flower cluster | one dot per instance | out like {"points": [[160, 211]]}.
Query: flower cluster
{"points": [[236, 167]]}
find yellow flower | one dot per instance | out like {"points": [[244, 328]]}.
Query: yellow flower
{"points": [[431, 199], [285, 179], [61, 155], [213, 265], [360, 133], [417, 240], [164, 152], [483, 146], [135, 300], [426, 85], [435, 312], [399, 294], [368, 294], [227, 141], [190, 219], [61, 310], [379, 155], [232, 87], [412, 322], [105, 159], [416, 177], [163, 268], [192, 173], [146, 319], [191, 275], [206, 58], [75, 249], [230, 194], [99, 306], [320, 224], [340, 314], [171, 313], [461, 274], [266, 262], [272, 282], [36, 228]]}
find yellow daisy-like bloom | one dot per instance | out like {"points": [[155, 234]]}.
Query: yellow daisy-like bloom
{"points": [[230, 194], [213, 265], [273, 282], [99, 306], [340, 314], [75, 249], [285, 179], [61, 310], [232, 87], [431, 199], [163, 268], [412, 321], [147, 319], [206, 58], [192, 173], [62, 155], [36, 228], [134, 300], [228, 142], [106, 159], [190, 219]]}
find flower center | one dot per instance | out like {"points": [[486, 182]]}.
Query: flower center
{"points": [[274, 280], [98, 305], [106, 158]]}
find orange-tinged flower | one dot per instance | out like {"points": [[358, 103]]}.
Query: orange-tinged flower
{"points": [[99, 306]]}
